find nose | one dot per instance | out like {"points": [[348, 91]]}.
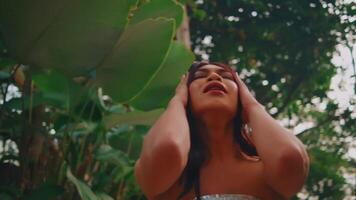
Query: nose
{"points": [[214, 76]]}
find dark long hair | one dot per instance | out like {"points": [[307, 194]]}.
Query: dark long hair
{"points": [[198, 152]]}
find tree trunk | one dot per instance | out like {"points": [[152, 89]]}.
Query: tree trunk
{"points": [[32, 140], [183, 34]]}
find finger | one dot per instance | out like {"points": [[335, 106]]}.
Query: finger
{"points": [[182, 81], [184, 78], [241, 82], [238, 77]]}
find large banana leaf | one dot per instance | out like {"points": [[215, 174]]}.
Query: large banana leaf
{"points": [[135, 58], [159, 8], [132, 118], [72, 36], [162, 87], [78, 37]]}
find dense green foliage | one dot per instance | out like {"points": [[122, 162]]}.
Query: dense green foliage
{"points": [[82, 82], [73, 76], [283, 49]]}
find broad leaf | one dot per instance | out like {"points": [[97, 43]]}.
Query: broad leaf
{"points": [[103, 196], [83, 189], [128, 141], [159, 8], [5, 196], [114, 156], [6, 62], [46, 191], [162, 87], [133, 118], [73, 36], [136, 58], [58, 90]]}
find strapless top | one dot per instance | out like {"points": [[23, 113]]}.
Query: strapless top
{"points": [[227, 197]]}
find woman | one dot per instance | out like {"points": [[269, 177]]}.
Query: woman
{"points": [[201, 148]]}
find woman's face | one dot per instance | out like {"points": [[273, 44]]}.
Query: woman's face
{"points": [[213, 89]]}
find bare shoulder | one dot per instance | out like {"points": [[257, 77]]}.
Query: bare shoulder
{"points": [[173, 193], [244, 178]]}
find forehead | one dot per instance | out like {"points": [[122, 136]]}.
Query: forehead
{"points": [[210, 67]]}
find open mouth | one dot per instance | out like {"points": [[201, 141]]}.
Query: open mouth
{"points": [[215, 87]]}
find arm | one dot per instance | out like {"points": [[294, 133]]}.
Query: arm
{"points": [[286, 162], [165, 148]]}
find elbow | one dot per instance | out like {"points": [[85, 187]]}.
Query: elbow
{"points": [[169, 147], [172, 151], [297, 159], [295, 164], [140, 179], [157, 171], [145, 181]]}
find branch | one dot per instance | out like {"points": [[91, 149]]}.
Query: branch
{"points": [[183, 33], [325, 121], [291, 94], [351, 49]]}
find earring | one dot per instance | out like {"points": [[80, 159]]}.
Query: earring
{"points": [[248, 128]]}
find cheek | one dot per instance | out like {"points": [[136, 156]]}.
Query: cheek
{"points": [[195, 97], [232, 88], [233, 92], [193, 92]]}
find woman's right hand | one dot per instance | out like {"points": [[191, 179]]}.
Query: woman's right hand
{"points": [[182, 90]]}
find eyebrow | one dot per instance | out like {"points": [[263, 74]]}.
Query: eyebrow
{"points": [[206, 70]]}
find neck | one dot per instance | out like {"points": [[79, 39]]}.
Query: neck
{"points": [[217, 133]]}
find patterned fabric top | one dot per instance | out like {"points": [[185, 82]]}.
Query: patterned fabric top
{"points": [[227, 197]]}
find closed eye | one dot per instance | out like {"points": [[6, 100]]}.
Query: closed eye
{"points": [[227, 75], [203, 73], [199, 74]]}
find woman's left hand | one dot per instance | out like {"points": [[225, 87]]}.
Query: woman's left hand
{"points": [[248, 101]]}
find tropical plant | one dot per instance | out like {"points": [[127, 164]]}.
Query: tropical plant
{"points": [[81, 83], [77, 79]]}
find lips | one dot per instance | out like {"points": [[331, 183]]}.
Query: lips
{"points": [[214, 86]]}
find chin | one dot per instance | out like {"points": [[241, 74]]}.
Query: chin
{"points": [[215, 108]]}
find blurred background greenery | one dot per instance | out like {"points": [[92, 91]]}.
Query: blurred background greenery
{"points": [[82, 81]]}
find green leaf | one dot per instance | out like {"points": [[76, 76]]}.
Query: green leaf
{"points": [[54, 86], [123, 166], [103, 196], [6, 62], [5, 196], [81, 129], [133, 3], [59, 90], [110, 155], [46, 191], [159, 8], [120, 173], [73, 36], [135, 59], [9, 192], [133, 118], [83, 189], [130, 140], [162, 87]]}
